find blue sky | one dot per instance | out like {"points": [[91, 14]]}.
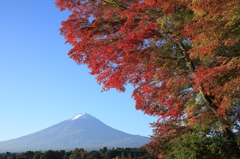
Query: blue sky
{"points": [[41, 86]]}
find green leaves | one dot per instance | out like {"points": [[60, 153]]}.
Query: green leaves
{"points": [[197, 146]]}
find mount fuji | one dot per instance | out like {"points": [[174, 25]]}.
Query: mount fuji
{"points": [[80, 131]]}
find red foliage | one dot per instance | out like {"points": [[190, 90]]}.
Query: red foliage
{"points": [[182, 56]]}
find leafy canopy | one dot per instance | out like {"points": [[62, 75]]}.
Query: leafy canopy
{"points": [[182, 57]]}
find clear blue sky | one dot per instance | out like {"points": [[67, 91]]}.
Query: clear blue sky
{"points": [[41, 86]]}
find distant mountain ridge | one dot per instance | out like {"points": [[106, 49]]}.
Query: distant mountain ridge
{"points": [[80, 131]]}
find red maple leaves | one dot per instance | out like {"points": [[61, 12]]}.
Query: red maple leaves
{"points": [[182, 56]]}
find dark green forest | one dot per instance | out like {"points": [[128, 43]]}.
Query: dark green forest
{"points": [[80, 153]]}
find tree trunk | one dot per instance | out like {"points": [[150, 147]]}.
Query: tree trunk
{"points": [[230, 135]]}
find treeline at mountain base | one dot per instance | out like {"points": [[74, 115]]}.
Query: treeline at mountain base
{"points": [[80, 153]]}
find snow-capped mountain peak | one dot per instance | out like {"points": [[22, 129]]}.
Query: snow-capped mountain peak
{"points": [[82, 130], [82, 116]]}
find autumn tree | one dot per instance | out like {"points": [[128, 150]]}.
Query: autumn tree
{"points": [[182, 57]]}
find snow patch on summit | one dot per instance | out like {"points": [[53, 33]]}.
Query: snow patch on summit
{"points": [[83, 116]]}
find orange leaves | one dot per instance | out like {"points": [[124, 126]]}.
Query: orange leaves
{"points": [[213, 26], [222, 83]]}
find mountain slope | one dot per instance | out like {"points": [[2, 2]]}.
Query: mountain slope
{"points": [[82, 130]]}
